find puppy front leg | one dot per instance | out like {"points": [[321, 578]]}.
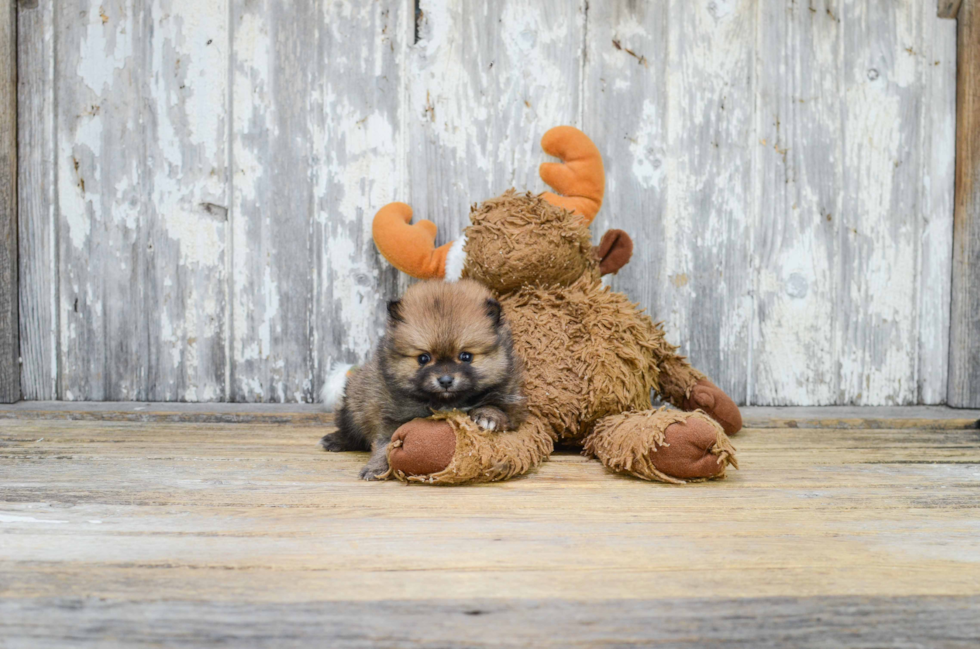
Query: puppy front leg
{"points": [[377, 466], [490, 418]]}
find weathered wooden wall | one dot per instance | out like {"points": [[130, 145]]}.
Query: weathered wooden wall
{"points": [[9, 343], [964, 358], [197, 180]]}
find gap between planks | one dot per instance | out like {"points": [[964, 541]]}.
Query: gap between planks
{"points": [[849, 417]]}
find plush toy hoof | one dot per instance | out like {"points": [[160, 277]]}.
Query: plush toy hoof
{"points": [[687, 451], [709, 397], [422, 447]]}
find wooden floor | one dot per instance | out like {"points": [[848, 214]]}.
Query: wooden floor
{"points": [[172, 527]]}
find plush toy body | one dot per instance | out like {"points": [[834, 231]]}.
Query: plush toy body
{"points": [[591, 357]]}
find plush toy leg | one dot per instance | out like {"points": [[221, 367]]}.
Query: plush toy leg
{"points": [[450, 449], [707, 396], [688, 389], [663, 445]]}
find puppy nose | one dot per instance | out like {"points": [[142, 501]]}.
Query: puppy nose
{"points": [[446, 381]]}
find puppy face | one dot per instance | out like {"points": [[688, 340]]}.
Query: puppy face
{"points": [[447, 341]]}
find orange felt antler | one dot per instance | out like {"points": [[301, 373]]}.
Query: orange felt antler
{"points": [[409, 248], [580, 177]]}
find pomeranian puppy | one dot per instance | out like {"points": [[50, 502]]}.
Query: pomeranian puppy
{"points": [[447, 346]]}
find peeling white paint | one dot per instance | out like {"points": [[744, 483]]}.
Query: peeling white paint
{"points": [[828, 296], [80, 205], [648, 168], [876, 366], [105, 48]]}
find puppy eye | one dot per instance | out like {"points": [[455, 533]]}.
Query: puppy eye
{"points": [[424, 358], [466, 357]]}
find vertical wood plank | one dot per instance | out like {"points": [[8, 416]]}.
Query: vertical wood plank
{"points": [[359, 166], [487, 80], [731, 132], [101, 199], [964, 345], [9, 340], [37, 220], [274, 53], [938, 147], [711, 146], [798, 210], [625, 113], [185, 132], [882, 100], [947, 8]]}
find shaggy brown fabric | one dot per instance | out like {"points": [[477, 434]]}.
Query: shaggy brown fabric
{"points": [[480, 455], [516, 239], [591, 359], [663, 445], [588, 352], [678, 378]]}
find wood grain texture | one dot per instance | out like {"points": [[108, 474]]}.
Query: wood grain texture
{"points": [[105, 525], [274, 61], [711, 137], [38, 228], [937, 66], [213, 241], [184, 131], [102, 201], [857, 417], [964, 347], [948, 8], [877, 270], [9, 340], [798, 211], [487, 80], [813, 622], [360, 161]]}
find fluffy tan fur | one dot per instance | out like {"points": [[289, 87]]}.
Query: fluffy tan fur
{"points": [[444, 319], [592, 357], [589, 354], [429, 330]]}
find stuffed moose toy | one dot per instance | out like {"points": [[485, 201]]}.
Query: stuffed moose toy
{"points": [[591, 357]]}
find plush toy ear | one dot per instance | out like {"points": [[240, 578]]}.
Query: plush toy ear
{"points": [[614, 251]]}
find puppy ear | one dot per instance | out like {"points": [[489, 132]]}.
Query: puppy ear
{"points": [[494, 310], [395, 312]]}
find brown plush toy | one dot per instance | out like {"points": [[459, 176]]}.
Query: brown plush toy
{"points": [[591, 357]]}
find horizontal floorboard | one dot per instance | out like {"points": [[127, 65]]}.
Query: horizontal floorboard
{"points": [[197, 532], [314, 414], [895, 622]]}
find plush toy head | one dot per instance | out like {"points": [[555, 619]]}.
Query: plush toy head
{"points": [[521, 239], [518, 239]]}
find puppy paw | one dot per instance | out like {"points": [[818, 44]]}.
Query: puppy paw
{"points": [[372, 472], [490, 418], [334, 442]]}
